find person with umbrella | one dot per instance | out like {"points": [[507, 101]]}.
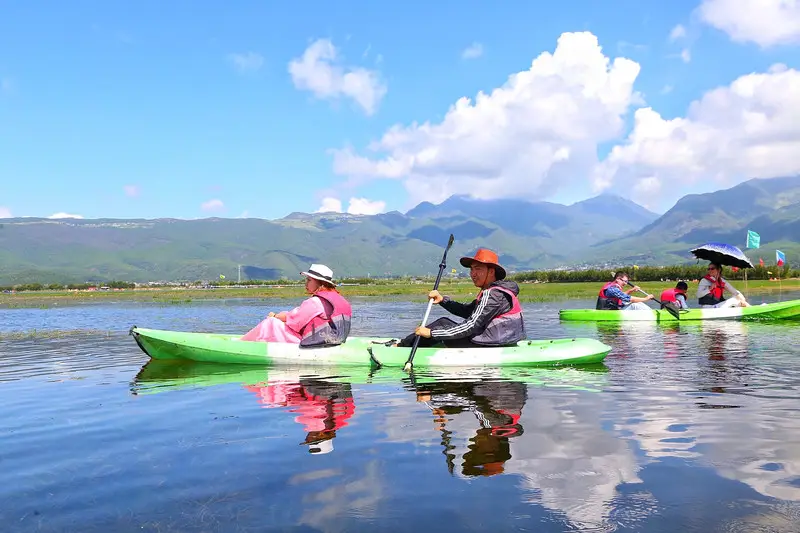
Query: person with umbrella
{"points": [[711, 290]]}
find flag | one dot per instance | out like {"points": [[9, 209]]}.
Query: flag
{"points": [[221, 276], [779, 257], [735, 269], [753, 239], [761, 261], [453, 271], [636, 267]]}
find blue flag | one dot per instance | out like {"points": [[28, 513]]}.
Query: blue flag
{"points": [[780, 258]]}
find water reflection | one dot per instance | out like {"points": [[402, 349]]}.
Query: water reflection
{"points": [[322, 407], [492, 410]]}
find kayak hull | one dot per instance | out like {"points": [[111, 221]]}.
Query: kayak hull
{"points": [[774, 311], [361, 351]]}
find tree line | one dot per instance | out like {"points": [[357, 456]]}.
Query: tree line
{"points": [[644, 273]]}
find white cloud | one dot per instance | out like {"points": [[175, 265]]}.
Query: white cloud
{"points": [[686, 55], [64, 215], [330, 205], [537, 132], [320, 72], [678, 32], [212, 205], [6, 85], [764, 22], [358, 206], [473, 51], [5, 212], [132, 190], [749, 129], [247, 62], [362, 206]]}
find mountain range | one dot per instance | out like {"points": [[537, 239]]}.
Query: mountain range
{"points": [[606, 230]]}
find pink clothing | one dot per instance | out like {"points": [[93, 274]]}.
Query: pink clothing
{"points": [[273, 330]]}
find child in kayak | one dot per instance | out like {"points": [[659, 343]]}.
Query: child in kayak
{"points": [[710, 291], [322, 319], [675, 296], [494, 318]]}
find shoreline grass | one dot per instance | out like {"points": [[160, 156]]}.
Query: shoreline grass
{"points": [[458, 289]]}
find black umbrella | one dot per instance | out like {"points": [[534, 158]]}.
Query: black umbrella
{"points": [[722, 254]]}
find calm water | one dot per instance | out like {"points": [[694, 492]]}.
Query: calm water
{"points": [[694, 427]]}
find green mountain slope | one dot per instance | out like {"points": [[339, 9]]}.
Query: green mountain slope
{"points": [[602, 230]]}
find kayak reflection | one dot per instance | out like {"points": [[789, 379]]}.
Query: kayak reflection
{"points": [[323, 401]]}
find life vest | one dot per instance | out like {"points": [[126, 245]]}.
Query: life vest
{"points": [[715, 294], [331, 328], [604, 302], [670, 295], [506, 328]]}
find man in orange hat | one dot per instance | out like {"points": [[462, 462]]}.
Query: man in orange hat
{"points": [[494, 318]]}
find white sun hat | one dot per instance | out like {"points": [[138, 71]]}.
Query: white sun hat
{"points": [[321, 448], [320, 272]]}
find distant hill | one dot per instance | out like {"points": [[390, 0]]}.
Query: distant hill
{"points": [[605, 229], [770, 207]]}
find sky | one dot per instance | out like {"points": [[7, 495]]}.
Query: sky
{"points": [[257, 109]]}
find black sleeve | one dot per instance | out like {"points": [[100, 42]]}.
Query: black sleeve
{"points": [[491, 304]]}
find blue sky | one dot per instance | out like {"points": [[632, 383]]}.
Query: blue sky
{"points": [[162, 108]]}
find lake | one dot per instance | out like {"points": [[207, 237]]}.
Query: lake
{"points": [[689, 427]]}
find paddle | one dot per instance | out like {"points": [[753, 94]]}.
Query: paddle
{"points": [[442, 265], [670, 310]]}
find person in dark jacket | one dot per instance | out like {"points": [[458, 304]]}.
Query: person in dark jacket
{"points": [[493, 318]]}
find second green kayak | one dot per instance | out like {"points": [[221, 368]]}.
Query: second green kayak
{"points": [[774, 311], [225, 348]]}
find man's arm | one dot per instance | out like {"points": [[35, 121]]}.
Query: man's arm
{"points": [[491, 304], [616, 292], [457, 308]]}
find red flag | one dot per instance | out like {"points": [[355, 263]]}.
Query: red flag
{"points": [[761, 261], [735, 269]]}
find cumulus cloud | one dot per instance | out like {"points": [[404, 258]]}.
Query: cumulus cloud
{"points": [[132, 190], [749, 129], [764, 22], [537, 132], [5, 212], [320, 71], [678, 32], [473, 51], [212, 205], [362, 206], [246, 62], [358, 206], [64, 215]]}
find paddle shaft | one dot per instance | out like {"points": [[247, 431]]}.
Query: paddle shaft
{"points": [[669, 310], [442, 266]]}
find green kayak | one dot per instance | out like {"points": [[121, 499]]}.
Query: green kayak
{"points": [[773, 311], [226, 348]]}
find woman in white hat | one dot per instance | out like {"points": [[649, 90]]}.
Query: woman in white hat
{"points": [[321, 320]]}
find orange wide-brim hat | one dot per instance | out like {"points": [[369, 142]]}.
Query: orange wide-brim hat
{"points": [[487, 257]]}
